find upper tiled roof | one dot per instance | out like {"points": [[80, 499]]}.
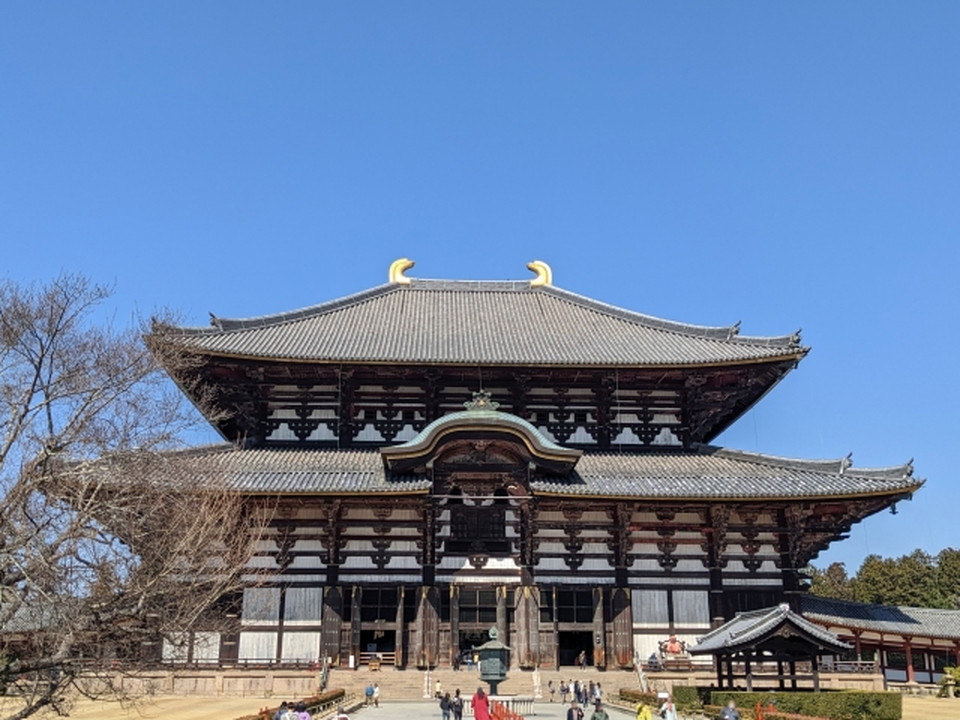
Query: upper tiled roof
{"points": [[485, 322], [711, 473], [902, 620], [751, 627]]}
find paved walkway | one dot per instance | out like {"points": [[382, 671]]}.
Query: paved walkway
{"points": [[428, 710]]}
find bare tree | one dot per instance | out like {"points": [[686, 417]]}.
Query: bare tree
{"points": [[109, 537]]}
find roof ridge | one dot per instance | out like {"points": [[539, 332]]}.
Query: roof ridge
{"points": [[841, 466], [859, 604], [726, 333], [218, 324]]}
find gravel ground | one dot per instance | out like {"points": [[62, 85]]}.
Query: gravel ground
{"points": [[227, 708]]}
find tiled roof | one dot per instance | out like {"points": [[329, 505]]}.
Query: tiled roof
{"points": [[480, 322], [751, 627], [710, 473], [713, 472], [902, 620], [32, 616]]}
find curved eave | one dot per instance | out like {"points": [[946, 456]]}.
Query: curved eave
{"points": [[794, 356], [895, 494], [426, 443]]}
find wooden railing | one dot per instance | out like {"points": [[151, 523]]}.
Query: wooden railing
{"points": [[376, 659], [862, 667]]}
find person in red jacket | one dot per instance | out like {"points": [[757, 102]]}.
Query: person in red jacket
{"points": [[481, 705]]}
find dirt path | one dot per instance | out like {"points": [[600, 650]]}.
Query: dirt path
{"points": [[168, 708], [930, 708]]}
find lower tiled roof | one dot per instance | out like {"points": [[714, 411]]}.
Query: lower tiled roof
{"points": [[901, 620], [750, 627], [703, 474]]}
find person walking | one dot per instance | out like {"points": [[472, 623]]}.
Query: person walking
{"points": [[376, 694], [552, 689], [574, 712], [481, 705], [730, 712], [599, 713], [457, 705], [446, 706], [668, 711]]}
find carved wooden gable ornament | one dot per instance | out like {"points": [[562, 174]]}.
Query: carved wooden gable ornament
{"points": [[480, 439]]}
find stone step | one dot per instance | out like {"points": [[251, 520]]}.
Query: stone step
{"points": [[412, 684]]}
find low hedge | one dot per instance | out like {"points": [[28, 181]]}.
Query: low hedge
{"points": [[686, 696], [635, 696], [712, 711], [838, 705]]}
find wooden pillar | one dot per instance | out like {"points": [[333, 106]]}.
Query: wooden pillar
{"points": [[454, 622], [793, 674], [599, 630], [426, 647], [780, 682], [730, 671], [748, 656], [400, 625], [526, 616], [815, 664], [357, 596], [719, 660], [622, 611], [908, 649], [503, 628], [719, 517], [856, 644], [330, 624]]}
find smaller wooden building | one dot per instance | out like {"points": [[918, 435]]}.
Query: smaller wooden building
{"points": [[908, 644], [755, 644]]}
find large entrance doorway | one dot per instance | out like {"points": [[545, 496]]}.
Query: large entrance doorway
{"points": [[571, 644]]}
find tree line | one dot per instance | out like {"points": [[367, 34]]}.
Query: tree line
{"points": [[917, 580]]}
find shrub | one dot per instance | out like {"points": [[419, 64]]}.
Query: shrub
{"points": [[840, 705], [686, 697]]}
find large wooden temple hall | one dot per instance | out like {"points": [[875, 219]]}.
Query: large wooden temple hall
{"points": [[446, 456]]}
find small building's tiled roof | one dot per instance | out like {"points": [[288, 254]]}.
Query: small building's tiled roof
{"points": [[481, 322], [749, 628], [710, 473], [894, 619]]}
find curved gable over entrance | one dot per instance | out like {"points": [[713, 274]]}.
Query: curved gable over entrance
{"points": [[483, 439]]}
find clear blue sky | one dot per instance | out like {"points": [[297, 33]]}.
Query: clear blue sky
{"points": [[783, 164]]}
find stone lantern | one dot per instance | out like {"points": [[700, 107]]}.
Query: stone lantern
{"points": [[493, 660]]}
